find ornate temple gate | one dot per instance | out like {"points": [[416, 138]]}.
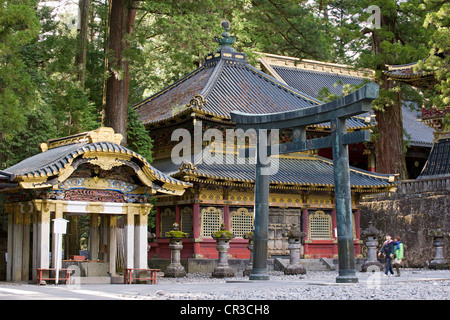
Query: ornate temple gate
{"points": [[335, 112]]}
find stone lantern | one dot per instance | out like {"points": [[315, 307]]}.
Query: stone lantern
{"points": [[175, 269], [294, 239], [438, 261], [371, 235], [249, 267], [223, 238]]}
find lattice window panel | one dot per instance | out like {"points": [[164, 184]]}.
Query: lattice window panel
{"points": [[167, 220], [241, 222], [187, 225], [211, 220], [212, 194], [237, 195], [320, 225]]}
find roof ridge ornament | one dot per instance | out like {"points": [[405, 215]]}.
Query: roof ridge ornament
{"points": [[226, 39], [102, 134], [198, 101]]}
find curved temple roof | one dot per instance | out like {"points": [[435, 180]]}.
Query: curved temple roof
{"points": [[61, 157], [298, 172], [226, 82]]}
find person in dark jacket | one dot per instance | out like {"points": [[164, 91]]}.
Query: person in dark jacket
{"points": [[388, 249]]}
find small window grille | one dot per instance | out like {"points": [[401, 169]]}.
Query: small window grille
{"points": [[167, 220], [320, 225], [241, 222], [187, 221], [211, 220]]}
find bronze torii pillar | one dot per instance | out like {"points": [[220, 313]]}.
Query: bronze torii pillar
{"points": [[335, 112]]}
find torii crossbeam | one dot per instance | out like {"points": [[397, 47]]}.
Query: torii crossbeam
{"points": [[335, 112]]}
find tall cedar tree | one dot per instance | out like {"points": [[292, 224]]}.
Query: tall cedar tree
{"points": [[122, 15]]}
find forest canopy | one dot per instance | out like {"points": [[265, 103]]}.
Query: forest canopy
{"points": [[71, 66]]}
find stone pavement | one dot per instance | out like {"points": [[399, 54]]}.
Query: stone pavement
{"points": [[320, 285]]}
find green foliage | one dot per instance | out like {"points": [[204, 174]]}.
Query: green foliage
{"points": [[138, 137], [222, 233], [176, 234], [438, 23], [19, 24]]}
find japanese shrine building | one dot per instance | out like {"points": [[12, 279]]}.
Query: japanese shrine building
{"points": [[89, 174], [301, 192]]}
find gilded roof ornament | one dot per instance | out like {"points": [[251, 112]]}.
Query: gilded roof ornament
{"points": [[187, 166], [197, 101], [226, 39]]}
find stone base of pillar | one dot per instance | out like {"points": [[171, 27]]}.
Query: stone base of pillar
{"points": [[223, 271], [439, 264], [347, 276], [248, 270], [259, 275], [372, 266], [175, 270], [294, 269]]}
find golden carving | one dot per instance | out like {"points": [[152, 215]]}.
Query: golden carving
{"points": [[95, 207], [105, 163], [44, 147], [197, 101], [105, 134]]}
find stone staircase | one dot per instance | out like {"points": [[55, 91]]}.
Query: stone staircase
{"points": [[322, 264]]}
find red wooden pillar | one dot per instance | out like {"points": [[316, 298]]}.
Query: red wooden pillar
{"points": [[178, 215], [196, 227], [357, 231], [305, 223], [226, 216], [334, 230], [158, 222]]}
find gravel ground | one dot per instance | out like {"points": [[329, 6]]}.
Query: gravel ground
{"points": [[319, 285]]}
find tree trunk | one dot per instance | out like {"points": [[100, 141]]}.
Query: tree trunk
{"points": [[117, 86], [80, 59], [389, 147]]}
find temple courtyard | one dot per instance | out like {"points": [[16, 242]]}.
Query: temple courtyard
{"points": [[413, 284]]}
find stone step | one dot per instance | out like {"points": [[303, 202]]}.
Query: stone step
{"points": [[322, 264]]}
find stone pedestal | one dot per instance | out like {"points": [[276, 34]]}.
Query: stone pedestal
{"points": [[294, 238], [371, 234], [223, 269], [175, 269], [438, 261]]}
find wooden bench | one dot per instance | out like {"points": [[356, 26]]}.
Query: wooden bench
{"points": [[152, 279], [66, 278]]}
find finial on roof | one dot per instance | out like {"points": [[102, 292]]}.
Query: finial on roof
{"points": [[226, 39]]}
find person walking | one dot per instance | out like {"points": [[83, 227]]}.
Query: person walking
{"points": [[387, 249], [398, 253]]}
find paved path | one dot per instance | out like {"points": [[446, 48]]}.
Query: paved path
{"points": [[412, 285]]}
